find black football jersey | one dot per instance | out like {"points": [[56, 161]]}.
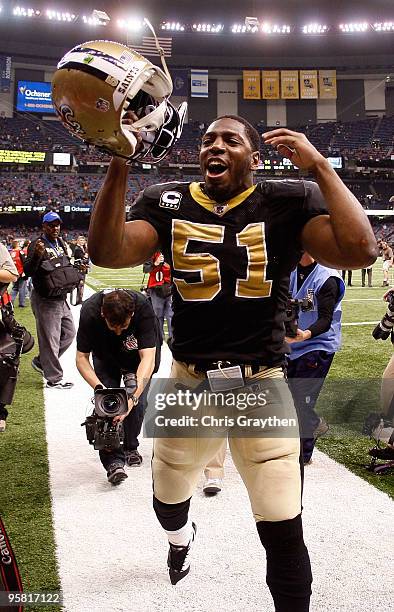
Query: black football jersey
{"points": [[230, 264]]}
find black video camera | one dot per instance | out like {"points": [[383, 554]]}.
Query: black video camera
{"points": [[14, 340], [293, 308], [101, 431], [82, 265], [380, 428], [385, 327]]}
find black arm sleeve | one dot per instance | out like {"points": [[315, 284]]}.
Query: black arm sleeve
{"points": [[326, 300], [32, 261]]}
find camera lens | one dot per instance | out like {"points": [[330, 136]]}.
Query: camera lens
{"points": [[111, 404]]}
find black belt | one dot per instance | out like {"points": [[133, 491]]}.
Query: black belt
{"points": [[203, 366]]}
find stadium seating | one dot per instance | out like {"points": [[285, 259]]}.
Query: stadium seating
{"points": [[369, 138], [55, 190], [361, 139]]}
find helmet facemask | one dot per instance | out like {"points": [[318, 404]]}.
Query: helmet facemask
{"points": [[158, 125]]}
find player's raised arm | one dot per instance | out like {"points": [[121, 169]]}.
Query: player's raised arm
{"points": [[112, 242], [345, 238]]}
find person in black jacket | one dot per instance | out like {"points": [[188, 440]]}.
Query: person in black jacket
{"points": [[54, 321], [81, 260], [119, 330]]}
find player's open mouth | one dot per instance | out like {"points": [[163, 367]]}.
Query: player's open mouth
{"points": [[216, 169]]}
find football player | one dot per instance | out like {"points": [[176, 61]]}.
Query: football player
{"points": [[231, 245]]}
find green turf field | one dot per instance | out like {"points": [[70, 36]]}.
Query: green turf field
{"points": [[25, 502], [103, 278], [352, 388]]}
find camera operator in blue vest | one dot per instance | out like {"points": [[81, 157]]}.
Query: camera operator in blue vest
{"points": [[317, 339]]}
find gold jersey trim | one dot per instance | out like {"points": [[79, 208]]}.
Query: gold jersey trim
{"points": [[275, 372], [218, 208]]}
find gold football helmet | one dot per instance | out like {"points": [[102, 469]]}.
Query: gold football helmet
{"points": [[97, 82]]}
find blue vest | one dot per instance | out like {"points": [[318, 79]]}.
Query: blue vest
{"points": [[330, 340]]}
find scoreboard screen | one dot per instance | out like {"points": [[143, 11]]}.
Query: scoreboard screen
{"points": [[335, 162], [22, 157], [35, 157], [276, 164], [270, 165], [61, 159]]}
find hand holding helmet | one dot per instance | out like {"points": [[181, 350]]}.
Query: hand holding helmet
{"points": [[110, 96]]}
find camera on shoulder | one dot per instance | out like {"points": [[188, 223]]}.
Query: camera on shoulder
{"points": [[81, 265], [385, 327], [293, 308]]}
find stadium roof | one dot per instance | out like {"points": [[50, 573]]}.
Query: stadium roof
{"points": [[232, 9], [45, 41]]}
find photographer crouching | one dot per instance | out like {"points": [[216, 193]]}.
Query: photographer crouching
{"points": [[119, 328]]}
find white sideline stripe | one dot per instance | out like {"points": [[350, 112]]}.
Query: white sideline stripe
{"points": [[93, 282], [360, 323], [112, 552], [363, 300]]}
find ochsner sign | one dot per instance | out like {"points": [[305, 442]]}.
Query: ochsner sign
{"points": [[34, 97]]}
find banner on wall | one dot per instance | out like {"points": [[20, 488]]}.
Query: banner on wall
{"points": [[199, 83], [289, 84], [34, 97], [270, 84], [308, 84], [328, 84], [5, 73], [180, 82], [252, 86]]}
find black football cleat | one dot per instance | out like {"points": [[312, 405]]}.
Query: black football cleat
{"points": [[133, 458], [116, 474], [386, 454], [179, 559]]}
